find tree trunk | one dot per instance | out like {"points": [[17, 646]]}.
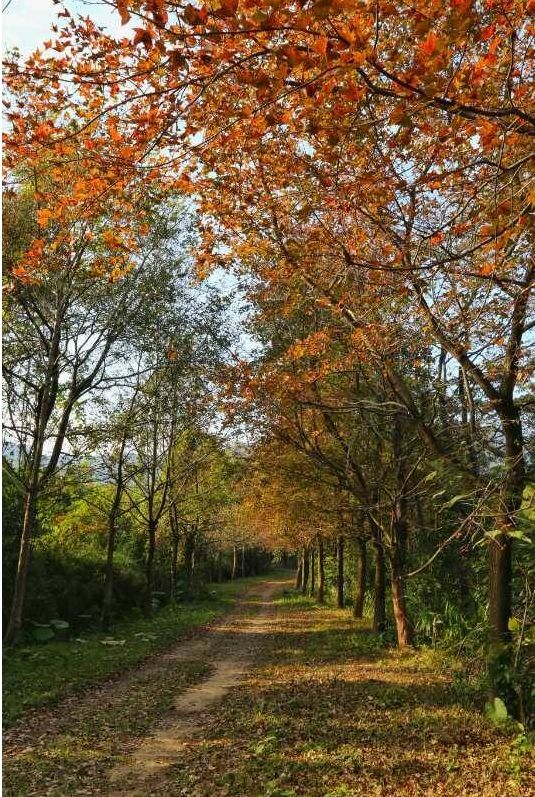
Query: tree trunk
{"points": [[174, 565], [312, 572], [175, 541], [500, 563], [467, 417], [340, 572], [149, 568], [499, 649], [234, 562], [360, 578], [107, 598], [306, 571], [189, 550], [403, 625], [404, 628], [399, 536], [299, 572], [28, 527], [321, 571], [379, 582], [243, 561], [500, 589]]}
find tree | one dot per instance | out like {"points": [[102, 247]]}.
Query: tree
{"points": [[68, 333], [375, 159], [111, 444]]}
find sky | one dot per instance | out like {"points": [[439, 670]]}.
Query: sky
{"points": [[26, 23]]}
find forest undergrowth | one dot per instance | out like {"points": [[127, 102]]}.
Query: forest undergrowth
{"points": [[327, 710], [330, 712]]}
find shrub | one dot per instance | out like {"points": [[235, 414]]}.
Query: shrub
{"points": [[69, 585]]}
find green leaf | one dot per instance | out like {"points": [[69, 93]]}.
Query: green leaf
{"points": [[492, 535], [518, 534], [265, 745], [456, 499]]}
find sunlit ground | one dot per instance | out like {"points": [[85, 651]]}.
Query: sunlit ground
{"points": [[325, 712], [327, 716]]}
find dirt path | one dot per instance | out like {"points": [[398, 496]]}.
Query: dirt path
{"points": [[327, 711], [279, 698], [229, 646], [114, 736]]}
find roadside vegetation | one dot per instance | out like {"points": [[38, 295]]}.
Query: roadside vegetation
{"points": [[36, 675]]}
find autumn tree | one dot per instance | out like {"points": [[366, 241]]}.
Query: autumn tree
{"points": [[73, 273], [70, 331], [374, 157]]}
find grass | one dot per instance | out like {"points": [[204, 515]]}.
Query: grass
{"points": [[328, 712], [41, 674], [71, 752]]}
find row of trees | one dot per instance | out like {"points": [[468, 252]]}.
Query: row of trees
{"points": [[367, 170], [417, 540], [381, 198], [111, 405]]}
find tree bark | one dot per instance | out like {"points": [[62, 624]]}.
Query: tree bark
{"points": [[107, 597], [379, 582], [500, 589], [28, 527], [149, 567], [234, 562], [321, 571], [399, 537], [500, 556], [360, 578], [299, 571], [312, 572], [398, 546], [189, 549], [403, 626], [499, 660], [175, 541], [306, 571], [340, 572], [174, 566]]}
